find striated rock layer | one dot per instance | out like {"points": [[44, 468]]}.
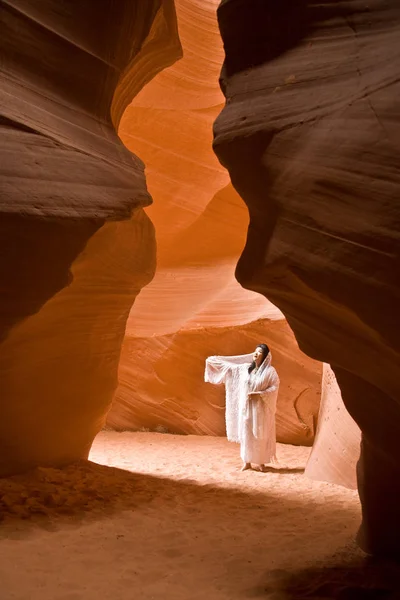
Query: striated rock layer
{"points": [[200, 221], [194, 306], [310, 136], [76, 246], [161, 381], [337, 442]]}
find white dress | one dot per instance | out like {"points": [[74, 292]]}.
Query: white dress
{"points": [[249, 421]]}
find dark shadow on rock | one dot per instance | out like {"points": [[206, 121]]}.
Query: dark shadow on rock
{"points": [[35, 259], [356, 579], [265, 29]]}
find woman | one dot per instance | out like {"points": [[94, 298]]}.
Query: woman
{"points": [[251, 385]]}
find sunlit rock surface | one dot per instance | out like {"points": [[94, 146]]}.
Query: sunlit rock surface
{"points": [[162, 381], [75, 244], [194, 307], [337, 444]]}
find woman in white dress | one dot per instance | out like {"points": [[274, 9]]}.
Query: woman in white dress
{"points": [[251, 385]]}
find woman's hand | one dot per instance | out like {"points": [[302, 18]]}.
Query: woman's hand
{"points": [[253, 396]]}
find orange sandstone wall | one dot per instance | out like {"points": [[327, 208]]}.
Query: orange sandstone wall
{"points": [[161, 381], [75, 244], [336, 449], [194, 306]]}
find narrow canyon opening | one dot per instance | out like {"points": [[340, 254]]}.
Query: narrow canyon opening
{"points": [[117, 480]]}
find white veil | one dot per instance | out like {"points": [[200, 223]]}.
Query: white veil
{"points": [[217, 367], [232, 371]]}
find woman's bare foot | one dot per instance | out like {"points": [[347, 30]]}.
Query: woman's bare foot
{"points": [[261, 468], [246, 467]]}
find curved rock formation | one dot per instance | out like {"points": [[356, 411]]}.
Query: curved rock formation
{"points": [[161, 381], [337, 442], [76, 246], [310, 136], [194, 307]]}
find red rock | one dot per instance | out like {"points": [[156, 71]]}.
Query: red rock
{"points": [[194, 307], [76, 246], [317, 162], [162, 381], [337, 444]]}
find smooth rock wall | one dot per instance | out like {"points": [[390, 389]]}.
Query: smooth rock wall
{"points": [[310, 137], [75, 244], [194, 307], [161, 381], [336, 448]]}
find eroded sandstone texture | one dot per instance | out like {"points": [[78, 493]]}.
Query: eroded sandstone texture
{"points": [[337, 443], [310, 136], [194, 307], [75, 244], [161, 381]]}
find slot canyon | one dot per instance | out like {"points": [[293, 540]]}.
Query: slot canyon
{"points": [[181, 179]]}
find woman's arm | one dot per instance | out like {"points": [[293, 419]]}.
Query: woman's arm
{"points": [[218, 368], [269, 390], [272, 387]]}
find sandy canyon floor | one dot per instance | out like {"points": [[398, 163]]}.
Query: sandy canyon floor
{"points": [[171, 517]]}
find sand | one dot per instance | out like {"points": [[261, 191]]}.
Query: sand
{"points": [[164, 516]]}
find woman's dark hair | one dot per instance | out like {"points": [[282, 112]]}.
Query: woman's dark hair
{"points": [[265, 350]]}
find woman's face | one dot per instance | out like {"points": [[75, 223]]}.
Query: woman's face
{"points": [[258, 356]]}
